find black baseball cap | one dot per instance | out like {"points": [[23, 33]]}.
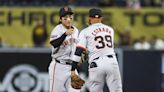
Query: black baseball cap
{"points": [[96, 13], [65, 10]]}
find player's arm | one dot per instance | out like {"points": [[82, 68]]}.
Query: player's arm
{"points": [[77, 57], [81, 46], [57, 42]]}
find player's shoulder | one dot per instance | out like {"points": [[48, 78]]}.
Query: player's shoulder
{"points": [[109, 27], [88, 28], [57, 27], [85, 30]]}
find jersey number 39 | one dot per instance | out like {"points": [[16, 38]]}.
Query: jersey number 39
{"points": [[103, 41]]}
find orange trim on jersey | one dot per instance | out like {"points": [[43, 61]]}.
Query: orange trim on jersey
{"points": [[52, 88], [79, 46]]}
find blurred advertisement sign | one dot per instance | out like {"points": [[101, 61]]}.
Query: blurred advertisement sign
{"points": [[18, 22], [25, 78], [24, 70]]}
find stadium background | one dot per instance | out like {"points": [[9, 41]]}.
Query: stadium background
{"points": [[142, 70], [17, 23]]}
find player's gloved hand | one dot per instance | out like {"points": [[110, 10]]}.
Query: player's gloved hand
{"points": [[69, 31], [76, 81]]}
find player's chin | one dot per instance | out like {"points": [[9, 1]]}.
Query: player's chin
{"points": [[68, 25]]}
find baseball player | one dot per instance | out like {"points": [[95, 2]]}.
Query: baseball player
{"points": [[98, 39], [63, 39]]}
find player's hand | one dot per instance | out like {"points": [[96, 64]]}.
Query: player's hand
{"points": [[73, 73], [69, 31]]}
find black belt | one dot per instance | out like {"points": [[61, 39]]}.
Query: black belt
{"points": [[67, 63], [110, 56]]}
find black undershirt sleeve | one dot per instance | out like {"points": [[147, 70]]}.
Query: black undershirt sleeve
{"points": [[78, 52], [57, 42]]}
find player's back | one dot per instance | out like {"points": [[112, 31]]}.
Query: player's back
{"points": [[99, 39]]}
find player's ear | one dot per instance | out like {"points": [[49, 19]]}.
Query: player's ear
{"points": [[90, 18]]}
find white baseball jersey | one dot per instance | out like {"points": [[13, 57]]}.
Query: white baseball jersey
{"points": [[59, 73], [65, 51], [98, 39]]}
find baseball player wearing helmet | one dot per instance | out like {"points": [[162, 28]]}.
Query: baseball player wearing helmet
{"points": [[63, 39], [98, 39]]}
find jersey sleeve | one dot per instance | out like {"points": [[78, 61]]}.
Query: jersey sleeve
{"points": [[80, 47], [82, 40], [56, 33]]}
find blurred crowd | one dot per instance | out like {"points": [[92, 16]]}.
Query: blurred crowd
{"points": [[141, 43], [39, 34], [125, 39], [102, 3]]}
